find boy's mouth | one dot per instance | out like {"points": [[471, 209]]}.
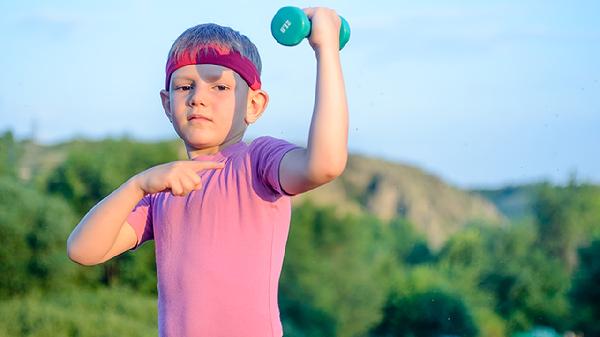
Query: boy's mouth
{"points": [[198, 117]]}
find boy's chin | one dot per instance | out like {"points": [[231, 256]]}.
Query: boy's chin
{"points": [[199, 144]]}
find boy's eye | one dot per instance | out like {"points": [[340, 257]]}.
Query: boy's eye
{"points": [[183, 87], [221, 87]]}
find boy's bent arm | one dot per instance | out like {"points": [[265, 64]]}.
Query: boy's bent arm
{"points": [[126, 239], [325, 157], [103, 232]]}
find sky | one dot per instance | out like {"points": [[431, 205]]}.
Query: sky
{"points": [[482, 94]]}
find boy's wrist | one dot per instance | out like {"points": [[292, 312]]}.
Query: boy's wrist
{"points": [[328, 51], [134, 184]]}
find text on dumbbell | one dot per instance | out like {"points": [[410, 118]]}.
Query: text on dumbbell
{"points": [[285, 26]]}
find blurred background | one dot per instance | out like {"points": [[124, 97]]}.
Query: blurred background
{"points": [[470, 205]]}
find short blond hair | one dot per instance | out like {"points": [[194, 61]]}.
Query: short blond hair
{"points": [[216, 35]]}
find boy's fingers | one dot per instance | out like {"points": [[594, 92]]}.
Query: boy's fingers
{"points": [[176, 188], [194, 177], [309, 11], [199, 165], [191, 181]]}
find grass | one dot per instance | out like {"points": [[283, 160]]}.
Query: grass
{"points": [[80, 313]]}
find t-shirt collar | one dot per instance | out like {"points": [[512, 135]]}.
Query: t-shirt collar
{"points": [[223, 153]]}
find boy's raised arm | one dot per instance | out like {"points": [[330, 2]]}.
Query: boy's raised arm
{"points": [[325, 157]]}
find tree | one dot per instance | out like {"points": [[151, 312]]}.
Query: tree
{"points": [[333, 272], [10, 152], [431, 313], [407, 245], [34, 230], [529, 286], [585, 293], [567, 217]]}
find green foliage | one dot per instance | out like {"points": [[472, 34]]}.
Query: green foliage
{"points": [[137, 270], [34, 230], [461, 263], [79, 312], [431, 313], [488, 322], [465, 258], [529, 287], [10, 152], [406, 244], [586, 291], [504, 269], [567, 217], [302, 319], [331, 262], [464, 253]]}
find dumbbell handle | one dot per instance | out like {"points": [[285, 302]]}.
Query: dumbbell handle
{"points": [[290, 26]]}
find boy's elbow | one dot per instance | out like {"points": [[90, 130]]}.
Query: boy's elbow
{"points": [[337, 166], [78, 257], [82, 260], [334, 173], [329, 173]]}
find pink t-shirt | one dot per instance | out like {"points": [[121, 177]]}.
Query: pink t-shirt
{"points": [[219, 250]]}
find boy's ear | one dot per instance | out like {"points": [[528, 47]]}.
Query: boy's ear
{"points": [[257, 103], [166, 103]]}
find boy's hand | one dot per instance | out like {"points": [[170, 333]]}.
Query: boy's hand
{"points": [[325, 28], [180, 177]]}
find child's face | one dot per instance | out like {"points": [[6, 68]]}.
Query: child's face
{"points": [[207, 105]]}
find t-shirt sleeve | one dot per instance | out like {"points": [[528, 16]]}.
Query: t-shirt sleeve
{"points": [[266, 154], [140, 219]]}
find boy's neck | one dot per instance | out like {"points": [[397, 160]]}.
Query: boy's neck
{"points": [[208, 151]]}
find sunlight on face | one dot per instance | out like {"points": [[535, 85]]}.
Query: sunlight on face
{"points": [[207, 105]]}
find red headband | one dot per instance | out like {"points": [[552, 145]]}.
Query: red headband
{"points": [[215, 55]]}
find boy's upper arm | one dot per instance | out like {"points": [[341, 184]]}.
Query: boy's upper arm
{"points": [[126, 239], [293, 173]]}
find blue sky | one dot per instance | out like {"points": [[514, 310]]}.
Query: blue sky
{"points": [[478, 93]]}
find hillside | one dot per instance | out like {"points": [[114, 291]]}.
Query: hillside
{"points": [[390, 190], [514, 202]]}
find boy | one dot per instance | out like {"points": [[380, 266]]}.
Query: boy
{"points": [[220, 220]]}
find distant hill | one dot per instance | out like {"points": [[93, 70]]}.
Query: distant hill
{"points": [[515, 202], [390, 190], [382, 188]]}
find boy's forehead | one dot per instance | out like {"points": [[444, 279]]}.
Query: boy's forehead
{"points": [[204, 71]]}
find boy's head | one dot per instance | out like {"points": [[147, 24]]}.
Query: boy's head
{"points": [[212, 86], [207, 38]]}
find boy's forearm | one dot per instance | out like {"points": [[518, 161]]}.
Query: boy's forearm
{"points": [[327, 148], [96, 232]]}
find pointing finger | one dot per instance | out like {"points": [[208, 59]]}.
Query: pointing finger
{"points": [[206, 165]]}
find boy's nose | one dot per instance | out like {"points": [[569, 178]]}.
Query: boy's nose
{"points": [[196, 98]]}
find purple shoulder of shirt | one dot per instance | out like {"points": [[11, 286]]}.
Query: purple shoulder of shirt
{"points": [[266, 154]]}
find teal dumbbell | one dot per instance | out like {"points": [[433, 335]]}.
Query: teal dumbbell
{"points": [[290, 26]]}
